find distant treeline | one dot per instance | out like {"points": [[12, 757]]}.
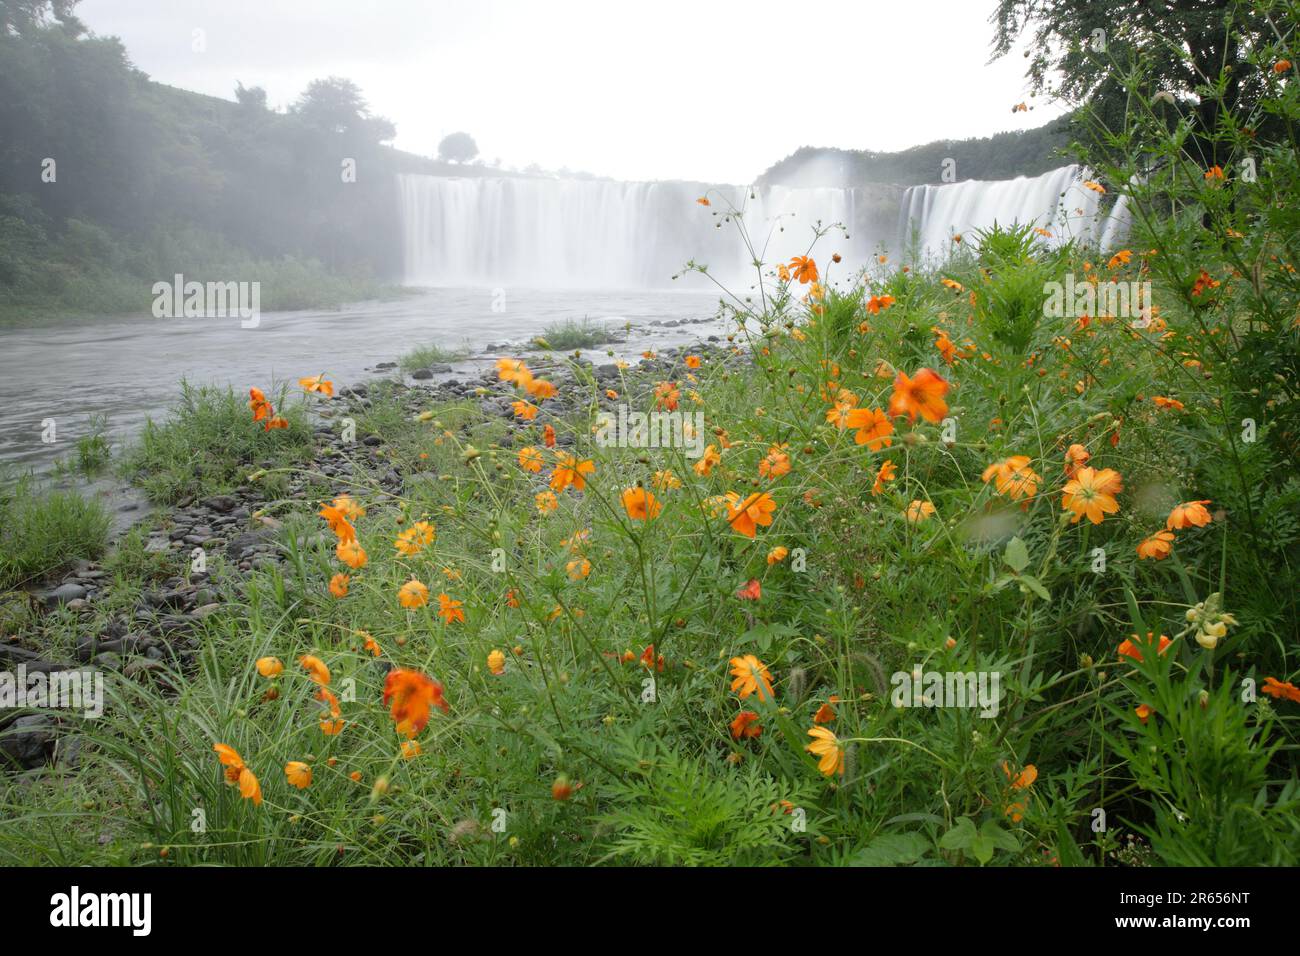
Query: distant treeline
{"points": [[1003, 156], [109, 181]]}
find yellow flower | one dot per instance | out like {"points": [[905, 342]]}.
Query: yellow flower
{"points": [[918, 511], [828, 749], [751, 676], [496, 662], [298, 774], [413, 594], [351, 553], [547, 502], [270, 666]]}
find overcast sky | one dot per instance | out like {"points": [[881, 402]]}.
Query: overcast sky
{"points": [[714, 90]]}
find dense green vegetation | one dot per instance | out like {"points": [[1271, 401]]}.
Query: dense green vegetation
{"points": [[42, 531]]}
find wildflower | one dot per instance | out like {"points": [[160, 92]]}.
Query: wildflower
{"points": [[337, 518], [530, 459], [525, 409], [1128, 649], [546, 502], [371, 644], [1095, 187], [410, 749], [257, 402], [317, 383], [1012, 477], [1279, 689], [578, 568], [878, 302], [751, 676], [349, 508], [1189, 514], [1214, 175], [1143, 711], [952, 284], [351, 553], [275, 422], [665, 480], [918, 511], [887, 472], [270, 666], [514, 371], [1092, 493], [561, 789], [667, 395], [496, 663], [692, 361], [745, 726], [1157, 547], [873, 428], [752, 590], [922, 395], [947, 349], [803, 269], [548, 436], [339, 585], [828, 749], [1204, 281], [409, 694], [708, 461], [415, 538], [1076, 456], [570, 471], [1121, 258], [1023, 781], [316, 669], [776, 463], [298, 774], [237, 773], [640, 504], [745, 516], [777, 555], [703, 201], [412, 594], [450, 610], [541, 389]]}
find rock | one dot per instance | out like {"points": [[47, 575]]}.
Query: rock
{"points": [[27, 740], [205, 610], [422, 373], [221, 503], [63, 594]]}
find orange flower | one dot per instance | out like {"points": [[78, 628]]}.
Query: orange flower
{"points": [[409, 694], [667, 395], [530, 459], [261, 408], [745, 726], [337, 518], [1143, 711], [922, 395], [371, 644], [873, 428], [777, 555], [315, 668], [1128, 649], [546, 502], [1076, 456], [703, 201], [752, 590], [561, 789], [1278, 689], [570, 472], [640, 504], [708, 461], [945, 345], [745, 516], [548, 436], [450, 610], [692, 361], [410, 749], [804, 269], [828, 749], [751, 677], [317, 383], [525, 410], [825, 714], [1121, 258], [351, 553], [415, 538], [1214, 174], [339, 585], [578, 568], [496, 663], [412, 594], [1162, 402], [275, 422], [878, 302], [270, 666], [513, 371], [1023, 781], [887, 472], [1158, 546], [1092, 493], [918, 511], [1281, 66], [298, 774], [1012, 477], [541, 389], [776, 463], [1189, 514], [237, 773]]}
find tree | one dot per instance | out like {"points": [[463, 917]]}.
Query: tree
{"points": [[1186, 48], [457, 148], [252, 98]]}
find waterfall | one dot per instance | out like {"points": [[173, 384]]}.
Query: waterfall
{"points": [[1056, 201], [578, 233], [588, 233]]}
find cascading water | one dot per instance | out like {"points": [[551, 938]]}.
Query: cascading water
{"points": [[576, 233], [1056, 201], [595, 233]]}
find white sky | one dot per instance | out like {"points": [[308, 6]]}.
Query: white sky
{"points": [[714, 90]]}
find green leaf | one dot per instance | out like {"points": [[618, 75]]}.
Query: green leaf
{"points": [[1016, 556], [892, 849], [1036, 586]]}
